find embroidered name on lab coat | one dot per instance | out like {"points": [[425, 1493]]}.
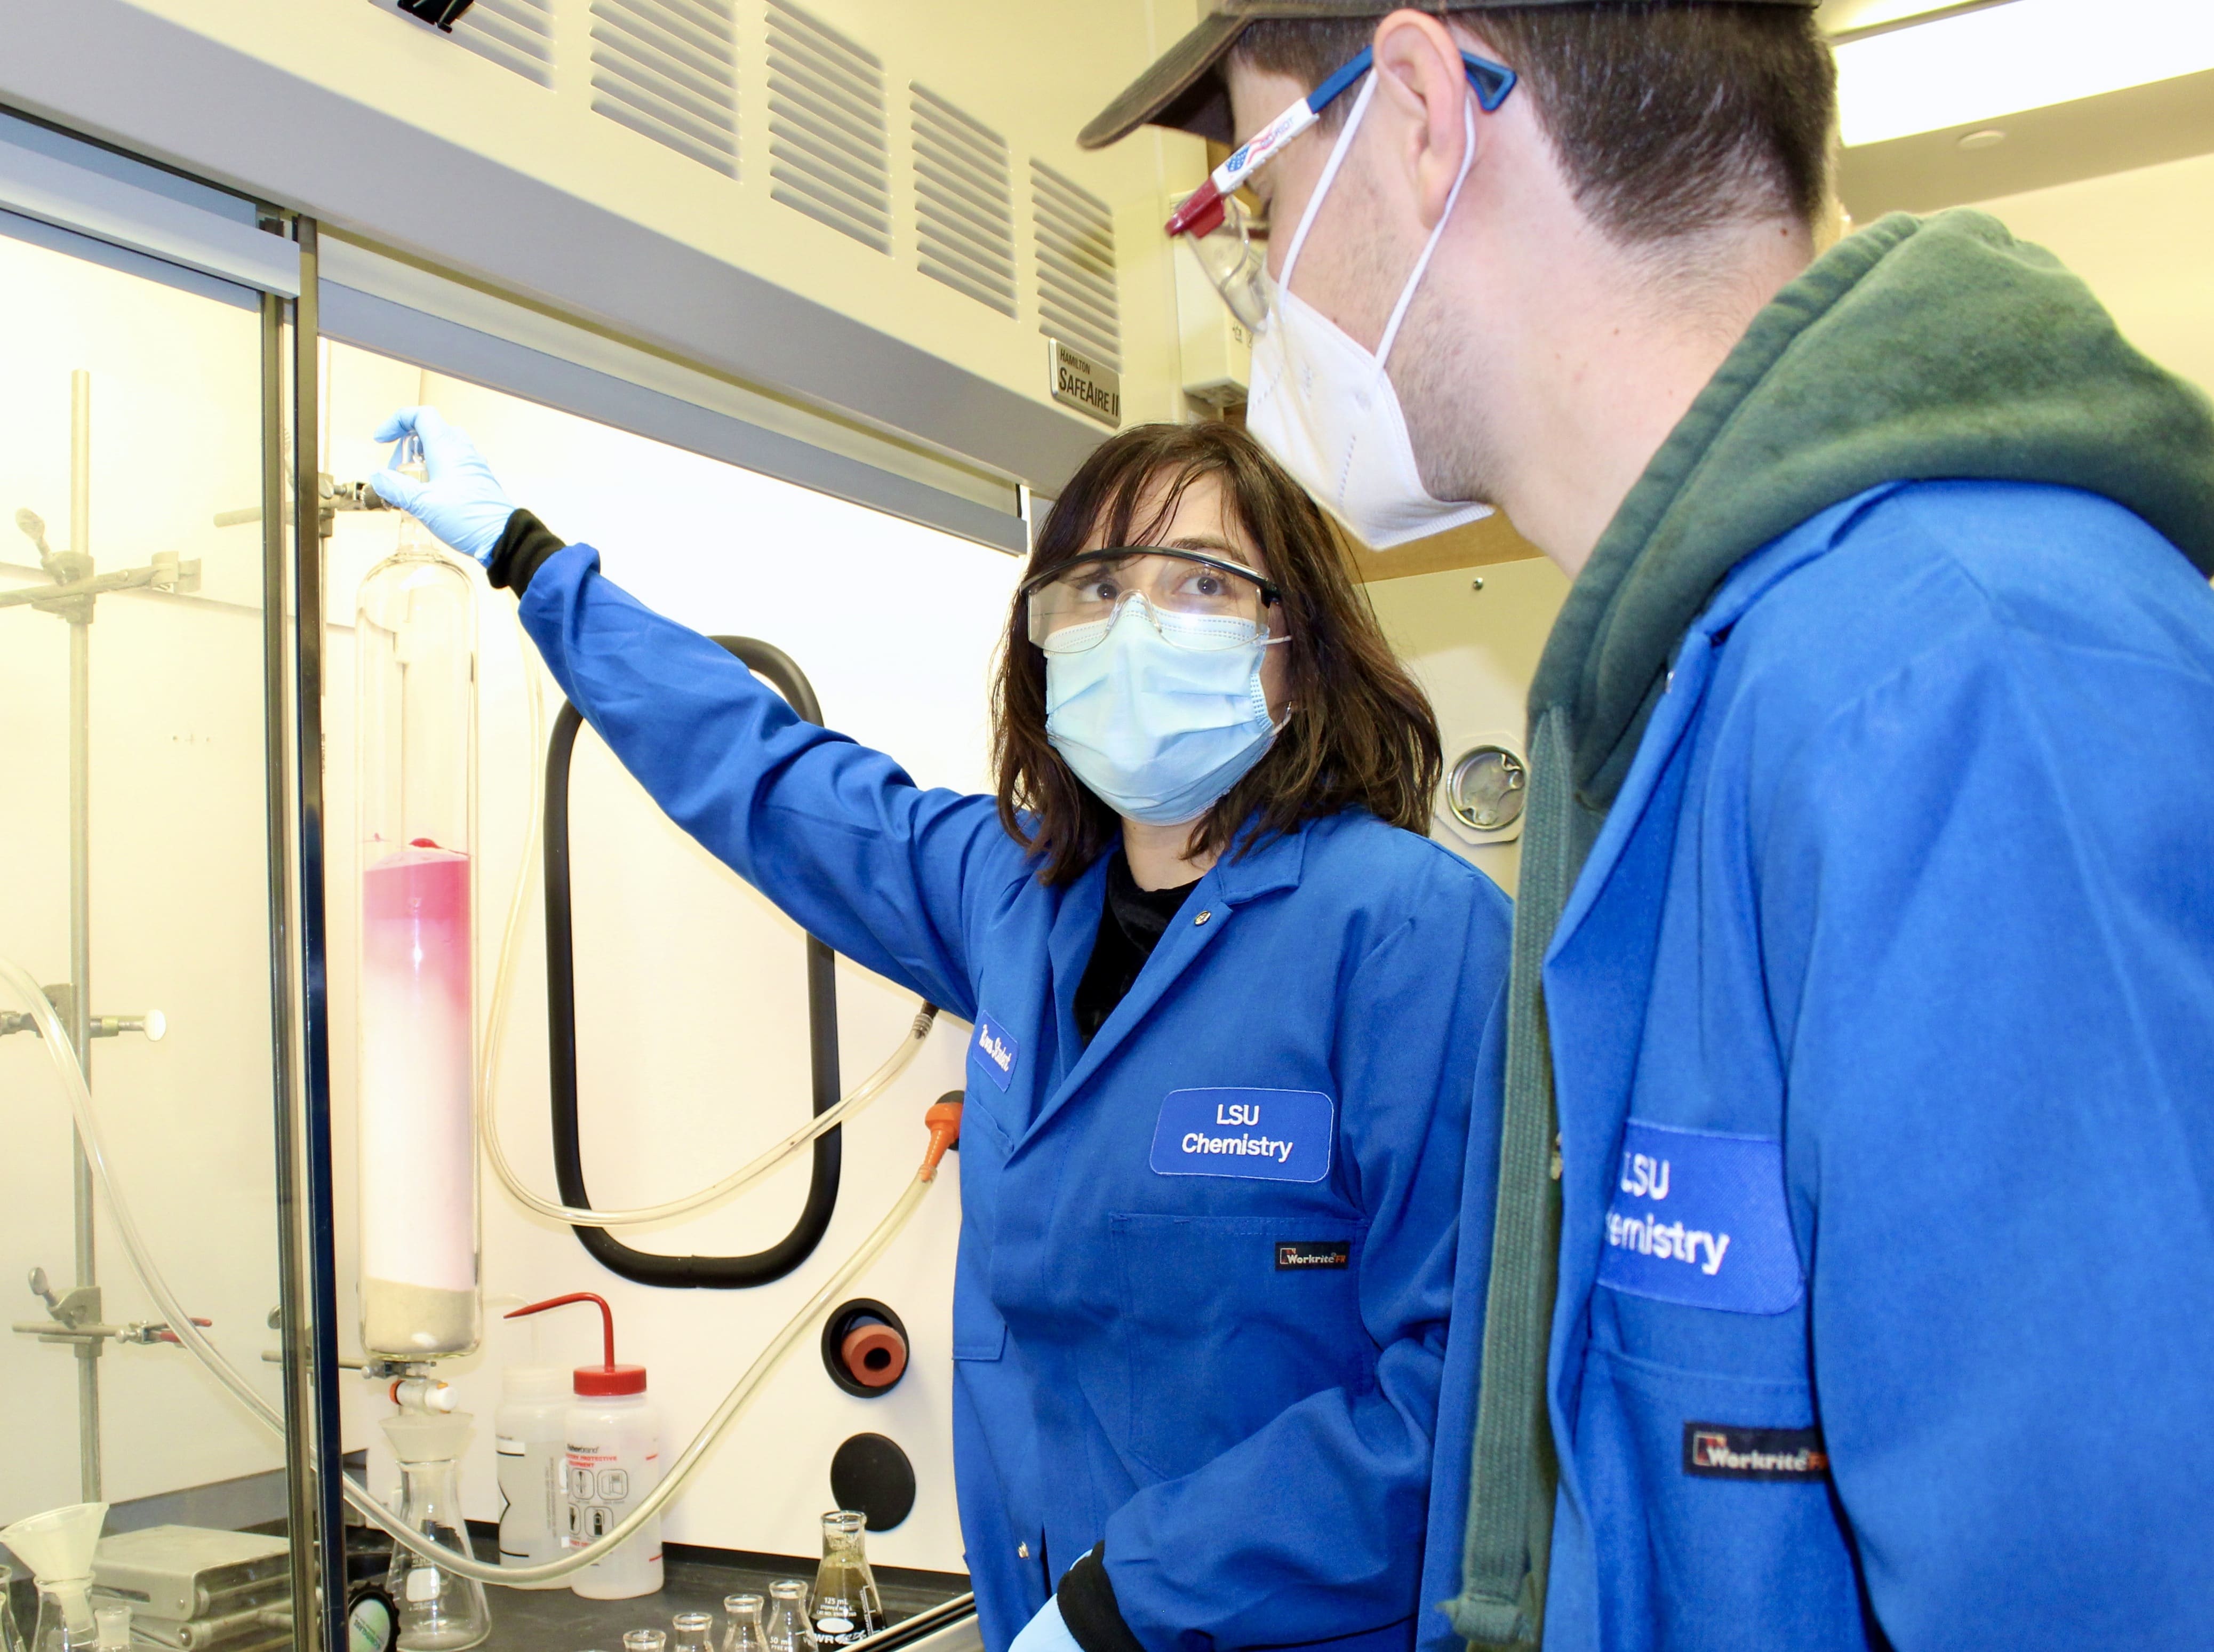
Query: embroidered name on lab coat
{"points": [[995, 1050], [1698, 1218], [1272, 1135]]}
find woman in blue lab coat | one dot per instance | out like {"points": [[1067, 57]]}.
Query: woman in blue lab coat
{"points": [[1230, 1008]]}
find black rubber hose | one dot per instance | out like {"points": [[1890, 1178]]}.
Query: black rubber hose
{"points": [[648, 1267]]}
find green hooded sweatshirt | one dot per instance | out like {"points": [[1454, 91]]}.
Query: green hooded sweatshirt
{"points": [[1918, 348]]}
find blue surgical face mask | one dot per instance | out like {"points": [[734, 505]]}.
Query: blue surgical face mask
{"points": [[1158, 732]]}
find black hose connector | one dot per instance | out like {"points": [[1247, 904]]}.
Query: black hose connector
{"points": [[648, 1267]]}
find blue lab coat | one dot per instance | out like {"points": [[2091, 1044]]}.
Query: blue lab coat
{"points": [[1883, 1015], [1205, 1261]]}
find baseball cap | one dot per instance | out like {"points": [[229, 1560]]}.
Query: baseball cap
{"points": [[1184, 90]]}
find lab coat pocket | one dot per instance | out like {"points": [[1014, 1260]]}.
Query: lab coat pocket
{"points": [[1711, 1511], [979, 1332], [1229, 1321]]}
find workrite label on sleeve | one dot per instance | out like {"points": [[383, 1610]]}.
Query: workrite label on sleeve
{"points": [[1270, 1135], [1698, 1218], [995, 1049]]}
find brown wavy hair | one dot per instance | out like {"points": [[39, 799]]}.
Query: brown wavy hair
{"points": [[1360, 734]]}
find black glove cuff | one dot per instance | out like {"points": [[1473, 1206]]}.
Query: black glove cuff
{"points": [[1086, 1596], [524, 544]]}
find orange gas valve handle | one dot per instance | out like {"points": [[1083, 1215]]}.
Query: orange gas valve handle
{"points": [[943, 1121]]}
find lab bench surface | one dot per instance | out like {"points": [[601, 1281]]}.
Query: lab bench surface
{"points": [[695, 1580]]}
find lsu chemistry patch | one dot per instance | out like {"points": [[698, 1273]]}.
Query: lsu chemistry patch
{"points": [[1698, 1217], [1273, 1136]]}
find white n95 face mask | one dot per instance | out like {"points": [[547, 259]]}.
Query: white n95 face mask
{"points": [[1158, 732], [1326, 408]]}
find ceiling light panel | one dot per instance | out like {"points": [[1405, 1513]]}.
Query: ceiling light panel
{"points": [[1979, 66], [1856, 17]]}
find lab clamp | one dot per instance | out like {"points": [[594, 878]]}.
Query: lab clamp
{"points": [[74, 1321], [332, 496], [75, 1315]]}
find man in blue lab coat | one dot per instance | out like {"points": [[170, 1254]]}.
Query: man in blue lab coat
{"points": [[1854, 1242]]}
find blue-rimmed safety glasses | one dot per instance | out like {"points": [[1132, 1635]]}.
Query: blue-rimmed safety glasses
{"points": [[1194, 601], [1216, 222]]}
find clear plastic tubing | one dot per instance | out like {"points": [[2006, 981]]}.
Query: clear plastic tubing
{"points": [[415, 638], [487, 1088], [821, 1124], [56, 1040]]}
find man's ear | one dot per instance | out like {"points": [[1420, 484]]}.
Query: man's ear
{"points": [[1419, 76]]}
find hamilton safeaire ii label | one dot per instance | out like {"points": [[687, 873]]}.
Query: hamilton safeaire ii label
{"points": [[1078, 381]]}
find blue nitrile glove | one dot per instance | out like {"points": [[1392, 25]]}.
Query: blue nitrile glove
{"points": [[462, 502], [1046, 1632]]}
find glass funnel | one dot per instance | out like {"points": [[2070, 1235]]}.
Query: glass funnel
{"points": [[440, 1611], [59, 1546], [847, 1603]]}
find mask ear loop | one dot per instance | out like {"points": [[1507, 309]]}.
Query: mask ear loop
{"points": [[1407, 292], [1337, 155]]}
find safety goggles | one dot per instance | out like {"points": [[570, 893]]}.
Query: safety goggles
{"points": [[1194, 601], [1216, 222]]}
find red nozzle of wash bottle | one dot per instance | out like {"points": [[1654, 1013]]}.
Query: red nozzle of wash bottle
{"points": [[943, 1121], [606, 1378]]}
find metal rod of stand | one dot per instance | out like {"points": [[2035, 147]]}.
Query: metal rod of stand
{"points": [[80, 1016]]}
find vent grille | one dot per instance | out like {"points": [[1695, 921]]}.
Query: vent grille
{"points": [[1075, 266], [516, 35], [964, 213], [665, 68], [829, 151]]}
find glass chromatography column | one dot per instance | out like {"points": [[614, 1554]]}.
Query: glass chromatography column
{"points": [[415, 638]]}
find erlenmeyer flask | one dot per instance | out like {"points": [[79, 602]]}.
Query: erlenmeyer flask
{"points": [[847, 1603], [788, 1629], [65, 1620], [440, 1611], [11, 1638], [695, 1632], [744, 1632]]}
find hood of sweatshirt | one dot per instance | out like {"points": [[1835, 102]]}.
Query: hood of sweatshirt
{"points": [[1915, 350]]}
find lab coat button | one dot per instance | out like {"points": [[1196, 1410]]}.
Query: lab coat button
{"points": [[1202, 918], [1022, 1552]]}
